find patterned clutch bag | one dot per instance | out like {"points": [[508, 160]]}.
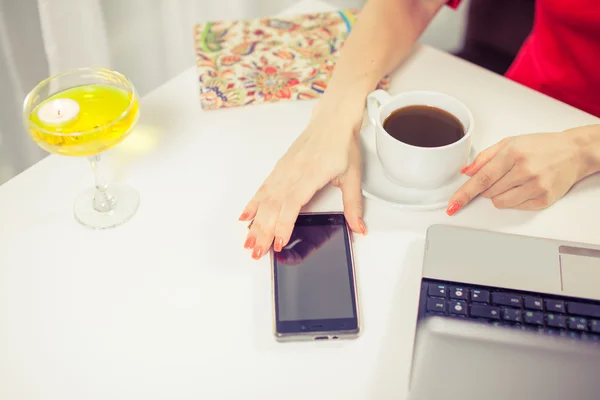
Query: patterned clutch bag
{"points": [[269, 59]]}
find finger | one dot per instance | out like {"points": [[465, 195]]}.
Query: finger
{"points": [[263, 226], [289, 214], [483, 158], [249, 211], [285, 224], [513, 179], [353, 201], [252, 206], [518, 195], [489, 174], [538, 203]]}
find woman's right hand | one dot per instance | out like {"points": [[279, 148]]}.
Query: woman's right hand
{"points": [[328, 151]]}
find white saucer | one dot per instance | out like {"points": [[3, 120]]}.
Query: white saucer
{"points": [[375, 185]]}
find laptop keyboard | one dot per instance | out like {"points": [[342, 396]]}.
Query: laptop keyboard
{"points": [[546, 314]]}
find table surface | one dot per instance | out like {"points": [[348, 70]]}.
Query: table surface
{"points": [[170, 306]]}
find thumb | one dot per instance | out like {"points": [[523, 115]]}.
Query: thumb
{"points": [[353, 201], [483, 158]]}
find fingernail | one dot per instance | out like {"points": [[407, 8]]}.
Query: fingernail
{"points": [[250, 242], [361, 225], [466, 169], [244, 216], [278, 244], [453, 208], [257, 253]]}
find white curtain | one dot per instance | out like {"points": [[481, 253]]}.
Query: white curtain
{"points": [[22, 64], [74, 34]]}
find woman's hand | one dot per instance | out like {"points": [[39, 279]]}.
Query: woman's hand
{"points": [[326, 152], [527, 172]]}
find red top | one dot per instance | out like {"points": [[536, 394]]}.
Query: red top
{"points": [[561, 56]]}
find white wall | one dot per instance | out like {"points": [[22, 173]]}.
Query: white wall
{"points": [[447, 30]]}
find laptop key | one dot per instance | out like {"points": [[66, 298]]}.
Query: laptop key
{"points": [[548, 331], [563, 333], [436, 290], [459, 293], [506, 299], [529, 328], [435, 314], [585, 310], [556, 321], [557, 306], [534, 317], [436, 305], [573, 335], [480, 296], [500, 324], [485, 311], [511, 314], [457, 307], [595, 326], [534, 303], [590, 337], [577, 323]]}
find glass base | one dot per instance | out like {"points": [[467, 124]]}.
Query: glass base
{"points": [[126, 203]]}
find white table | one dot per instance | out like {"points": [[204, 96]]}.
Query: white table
{"points": [[170, 306]]}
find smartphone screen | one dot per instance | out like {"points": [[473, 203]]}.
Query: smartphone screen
{"points": [[314, 277]]}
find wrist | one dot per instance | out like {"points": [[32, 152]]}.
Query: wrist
{"points": [[343, 103], [587, 140]]}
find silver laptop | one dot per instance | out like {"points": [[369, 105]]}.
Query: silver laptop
{"points": [[507, 316]]}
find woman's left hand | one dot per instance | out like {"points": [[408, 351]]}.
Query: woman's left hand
{"points": [[527, 172]]}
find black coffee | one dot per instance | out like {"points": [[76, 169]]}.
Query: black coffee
{"points": [[424, 126]]}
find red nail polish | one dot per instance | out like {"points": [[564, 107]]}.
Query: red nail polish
{"points": [[278, 244], [361, 225], [244, 216], [257, 253], [466, 169], [453, 208], [250, 242]]}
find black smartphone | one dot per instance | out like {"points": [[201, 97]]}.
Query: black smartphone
{"points": [[314, 281]]}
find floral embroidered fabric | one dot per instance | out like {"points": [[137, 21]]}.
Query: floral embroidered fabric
{"points": [[269, 59]]}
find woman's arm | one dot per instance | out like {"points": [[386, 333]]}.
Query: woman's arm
{"points": [[328, 151], [384, 34]]}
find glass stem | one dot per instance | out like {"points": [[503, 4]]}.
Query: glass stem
{"points": [[103, 201]]}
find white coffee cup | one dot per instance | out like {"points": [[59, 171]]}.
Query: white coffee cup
{"points": [[413, 166]]}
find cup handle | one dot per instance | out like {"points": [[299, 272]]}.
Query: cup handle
{"points": [[374, 100]]}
